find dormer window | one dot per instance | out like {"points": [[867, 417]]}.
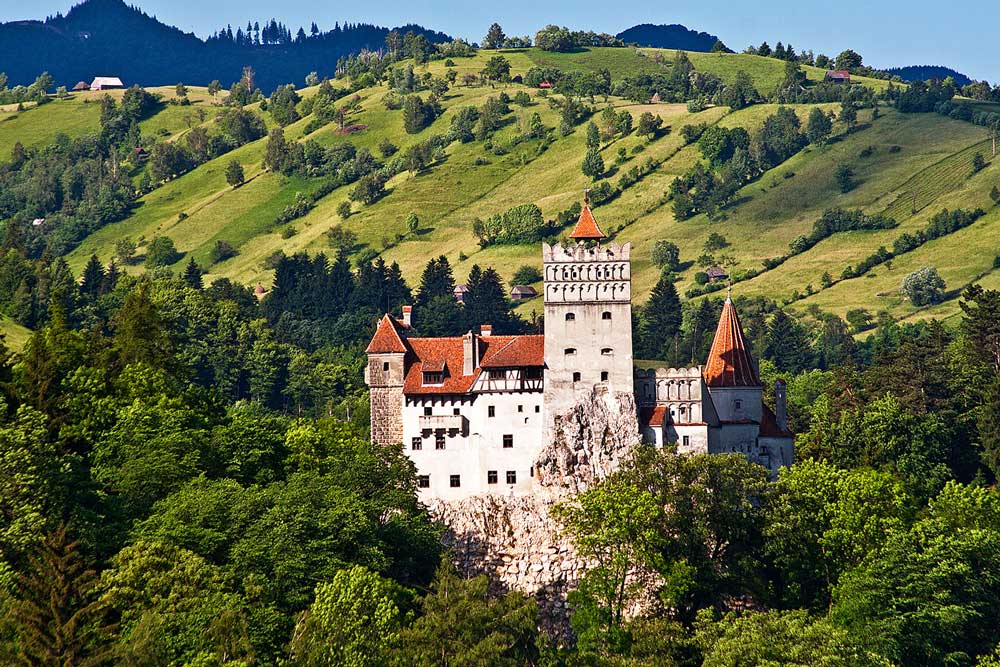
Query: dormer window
{"points": [[433, 377]]}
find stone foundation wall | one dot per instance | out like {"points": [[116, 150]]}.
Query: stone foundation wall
{"points": [[387, 415], [514, 539]]}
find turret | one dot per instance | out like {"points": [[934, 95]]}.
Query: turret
{"points": [[385, 375]]}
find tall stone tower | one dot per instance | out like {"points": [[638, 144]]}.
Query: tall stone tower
{"points": [[385, 376], [588, 317]]}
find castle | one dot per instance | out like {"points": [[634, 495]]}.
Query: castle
{"points": [[474, 411]]}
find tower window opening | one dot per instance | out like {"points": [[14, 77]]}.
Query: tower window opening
{"points": [[385, 365], [604, 376], [576, 377], [455, 481], [570, 317], [606, 350], [511, 477], [569, 351], [491, 476], [606, 315]]}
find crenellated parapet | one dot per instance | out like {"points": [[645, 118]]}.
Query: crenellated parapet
{"points": [[580, 252], [582, 274], [659, 386]]}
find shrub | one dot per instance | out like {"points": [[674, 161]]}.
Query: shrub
{"points": [[924, 286], [526, 275], [387, 148], [344, 210], [666, 255], [701, 278], [161, 252], [221, 251], [288, 232]]}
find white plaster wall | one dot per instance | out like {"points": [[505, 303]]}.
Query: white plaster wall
{"points": [[473, 454], [725, 399]]}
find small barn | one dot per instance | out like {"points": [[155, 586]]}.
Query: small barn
{"points": [[522, 293], [655, 99], [545, 84], [715, 274], [106, 83], [81, 86], [460, 291], [838, 76]]}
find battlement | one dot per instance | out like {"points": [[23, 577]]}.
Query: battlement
{"points": [[581, 253], [668, 373]]}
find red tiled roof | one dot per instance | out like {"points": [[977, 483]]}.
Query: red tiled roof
{"points": [[387, 338], [729, 362], [769, 426], [586, 227], [518, 351], [653, 416], [494, 352], [839, 74]]}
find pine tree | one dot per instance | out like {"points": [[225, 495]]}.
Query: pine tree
{"points": [[486, 301], [660, 322], [593, 164], [787, 344], [989, 427], [436, 280], [140, 334], [93, 279], [110, 277], [58, 618], [192, 274]]}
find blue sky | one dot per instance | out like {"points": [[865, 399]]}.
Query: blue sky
{"points": [[960, 34]]}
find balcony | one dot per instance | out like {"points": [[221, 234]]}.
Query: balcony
{"points": [[444, 422]]}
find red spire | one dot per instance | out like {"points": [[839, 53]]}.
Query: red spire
{"points": [[729, 362], [586, 227], [386, 338]]}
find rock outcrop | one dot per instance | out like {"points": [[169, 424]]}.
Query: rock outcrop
{"points": [[514, 539]]}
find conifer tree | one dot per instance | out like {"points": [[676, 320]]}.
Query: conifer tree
{"points": [[486, 301], [593, 164], [192, 274], [787, 344], [988, 422], [140, 334], [661, 321], [58, 618], [92, 280], [436, 280]]}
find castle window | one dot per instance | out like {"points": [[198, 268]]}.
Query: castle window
{"points": [[538, 408], [455, 481], [606, 315], [508, 441], [433, 378], [491, 477], [498, 374], [576, 377], [520, 408], [427, 412], [491, 411], [604, 376], [385, 365], [424, 481], [416, 443], [569, 351], [738, 404], [607, 350], [456, 411], [439, 440], [570, 317], [686, 440], [512, 477]]}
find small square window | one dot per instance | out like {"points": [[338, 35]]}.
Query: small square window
{"points": [[427, 412], [738, 404], [604, 376], [520, 408], [416, 443], [439, 440], [455, 481], [508, 441], [606, 315], [424, 481], [491, 411], [456, 411], [686, 440], [576, 377], [538, 408], [491, 477], [512, 477], [385, 365]]}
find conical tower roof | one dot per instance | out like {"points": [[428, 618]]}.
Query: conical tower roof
{"points": [[586, 227], [730, 363]]}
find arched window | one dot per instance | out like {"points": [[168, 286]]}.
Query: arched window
{"points": [[606, 315], [570, 317]]}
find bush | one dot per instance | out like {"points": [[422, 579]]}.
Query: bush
{"points": [[161, 252], [221, 251], [923, 287], [701, 278], [666, 255], [526, 275], [288, 232], [344, 210], [387, 148]]}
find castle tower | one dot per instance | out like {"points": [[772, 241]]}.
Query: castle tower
{"points": [[385, 376], [588, 316], [730, 372]]}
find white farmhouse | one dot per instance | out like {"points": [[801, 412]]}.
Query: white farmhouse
{"points": [[474, 411]]}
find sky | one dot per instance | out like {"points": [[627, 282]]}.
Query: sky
{"points": [[960, 34]]}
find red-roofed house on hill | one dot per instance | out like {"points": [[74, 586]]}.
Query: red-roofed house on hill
{"points": [[838, 76], [473, 412]]}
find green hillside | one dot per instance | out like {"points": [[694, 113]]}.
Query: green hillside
{"points": [[909, 166]]}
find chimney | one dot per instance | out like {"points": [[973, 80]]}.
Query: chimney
{"points": [[407, 315], [469, 361], [486, 330], [780, 404]]}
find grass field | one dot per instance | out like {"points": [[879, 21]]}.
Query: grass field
{"points": [[932, 160]]}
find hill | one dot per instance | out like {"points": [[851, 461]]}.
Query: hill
{"points": [[673, 36], [108, 37], [913, 73], [910, 165]]}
